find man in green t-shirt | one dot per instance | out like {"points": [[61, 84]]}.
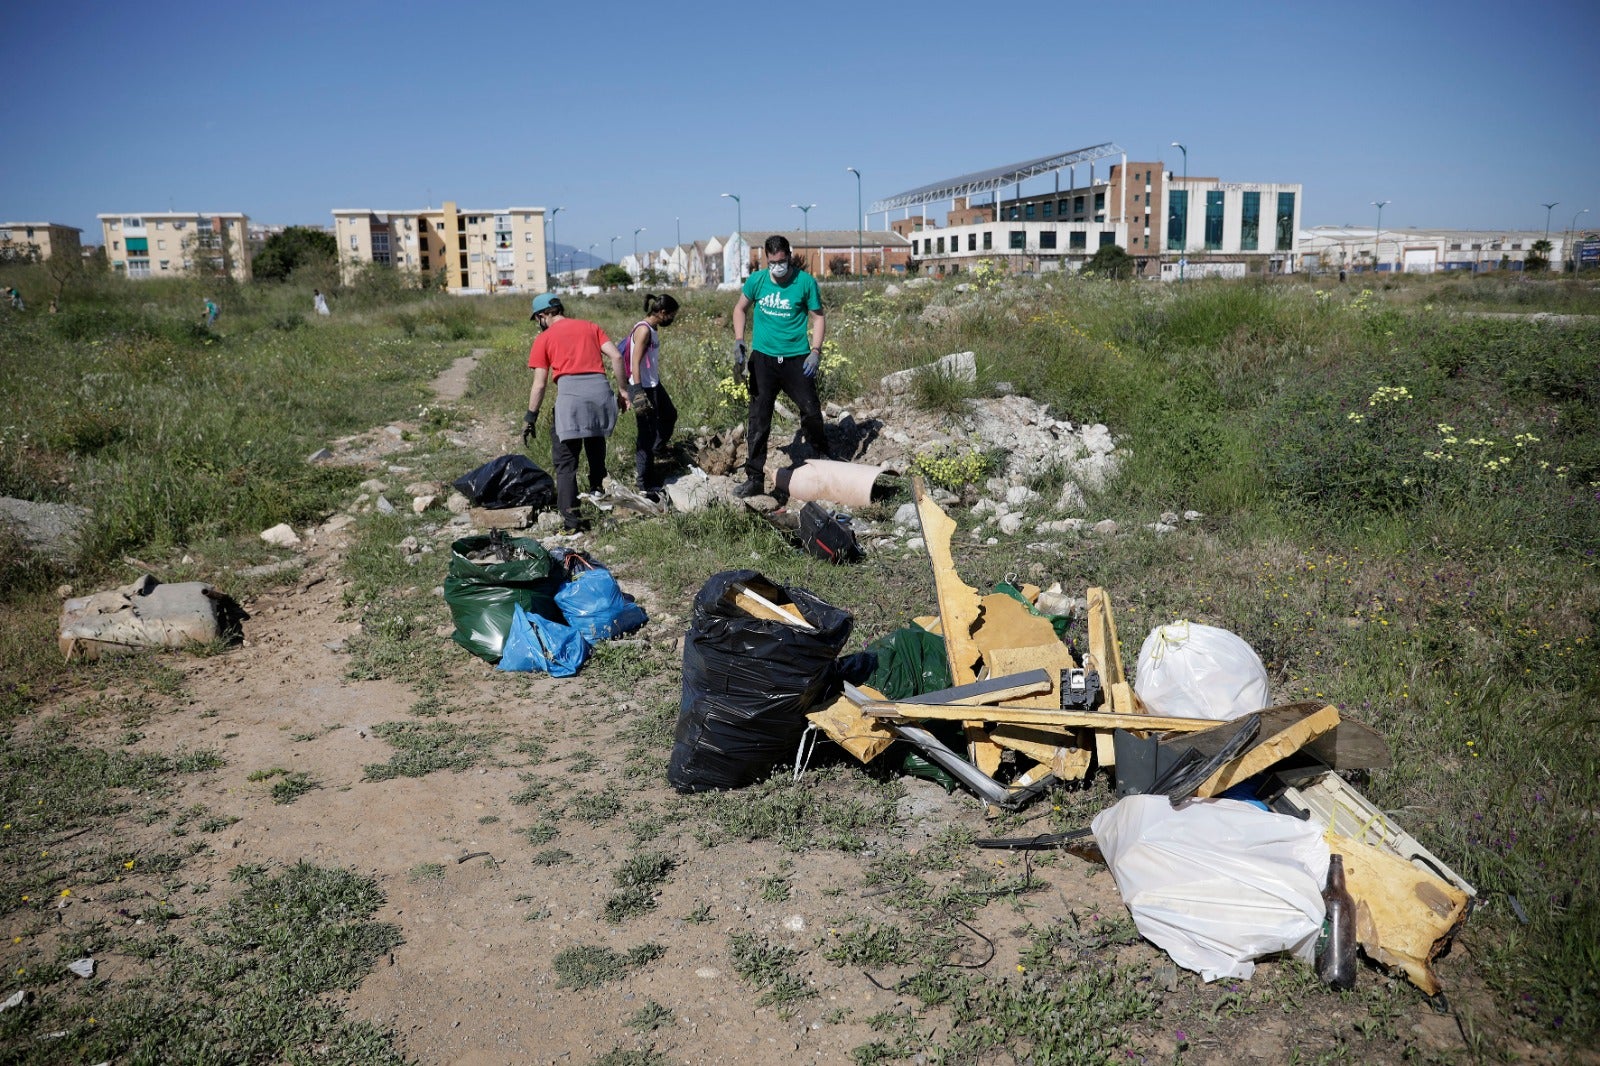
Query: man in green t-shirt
{"points": [[785, 300]]}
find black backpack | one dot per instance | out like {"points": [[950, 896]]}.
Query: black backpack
{"points": [[827, 536]]}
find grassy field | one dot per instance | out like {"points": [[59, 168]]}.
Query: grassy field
{"points": [[1402, 514]]}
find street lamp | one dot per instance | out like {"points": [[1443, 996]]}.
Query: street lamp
{"points": [[1572, 232], [553, 244], [1377, 234], [591, 255], [636, 264], [613, 257], [857, 173], [805, 213], [738, 208], [1183, 247]]}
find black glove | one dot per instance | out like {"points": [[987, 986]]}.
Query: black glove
{"points": [[738, 362], [638, 399], [530, 425]]}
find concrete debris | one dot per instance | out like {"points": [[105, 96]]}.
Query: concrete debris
{"points": [[281, 535], [51, 529], [457, 504], [145, 614], [321, 455], [961, 366], [501, 517], [697, 490]]}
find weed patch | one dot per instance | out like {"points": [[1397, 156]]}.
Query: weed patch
{"points": [[423, 748]]}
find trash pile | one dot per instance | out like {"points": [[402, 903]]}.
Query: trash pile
{"points": [[1235, 835]]}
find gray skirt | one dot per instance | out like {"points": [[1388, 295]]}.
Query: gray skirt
{"points": [[585, 407]]}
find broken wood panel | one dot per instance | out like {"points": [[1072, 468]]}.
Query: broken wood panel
{"points": [[1005, 623], [1275, 748], [1059, 752], [1403, 914], [1023, 716], [1052, 657], [865, 738], [1104, 648]]}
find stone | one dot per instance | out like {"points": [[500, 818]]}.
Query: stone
{"points": [[1020, 495], [761, 503], [795, 923], [891, 290], [374, 486], [549, 522], [410, 546], [1004, 388], [1071, 498], [51, 529], [281, 535], [1106, 525], [1192, 516], [457, 504], [919, 282], [423, 488], [961, 366], [916, 544], [269, 569], [421, 504], [905, 516], [82, 967], [1169, 518], [501, 517], [321, 455], [336, 523], [1061, 525], [384, 506], [1160, 527], [1010, 524]]}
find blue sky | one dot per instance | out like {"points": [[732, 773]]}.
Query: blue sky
{"points": [[626, 115]]}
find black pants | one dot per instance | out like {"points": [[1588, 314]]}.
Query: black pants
{"points": [[767, 376], [564, 453], [655, 432]]}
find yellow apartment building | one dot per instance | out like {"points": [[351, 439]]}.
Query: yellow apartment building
{"points": [[38, 241], [169, 244], [500, 250]]}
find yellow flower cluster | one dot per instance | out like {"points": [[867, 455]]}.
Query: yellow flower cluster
{"points": [[1388, 394], [951, 468]]}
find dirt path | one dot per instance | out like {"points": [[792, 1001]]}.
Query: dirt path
{"points": [[484, 911]]}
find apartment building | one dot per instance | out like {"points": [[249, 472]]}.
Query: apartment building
{"points": [[167, 244], [1170, 224], [499, 250], [38, 241]]}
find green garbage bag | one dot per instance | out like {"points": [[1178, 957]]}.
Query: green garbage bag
{"points": [[911, 661], [483, 596]]}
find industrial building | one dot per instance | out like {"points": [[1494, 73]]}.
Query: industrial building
{"points": [[1425, 251], [498, 250], [177, 243], [1169, 223]]}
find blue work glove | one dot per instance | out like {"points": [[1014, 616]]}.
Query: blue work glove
{"points": [[738, 362], [813, 361]]}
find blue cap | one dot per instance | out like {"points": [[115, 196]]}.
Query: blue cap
{"points": [[545, 301]]}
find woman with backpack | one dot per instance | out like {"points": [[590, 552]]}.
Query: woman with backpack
{"points": [[641, 366]]}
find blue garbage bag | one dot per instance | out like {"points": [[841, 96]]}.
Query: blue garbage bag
{"points": [[536, 644], [596, 606]]}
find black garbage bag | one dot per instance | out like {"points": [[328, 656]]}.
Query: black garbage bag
{"points": [[483, 595], [509, 481], [748, 683]]}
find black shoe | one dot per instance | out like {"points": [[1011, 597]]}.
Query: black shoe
{"points": [[751, 486]]}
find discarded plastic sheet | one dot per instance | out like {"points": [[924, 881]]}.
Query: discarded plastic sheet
{"points": [[146, 614], [849, 484], [1200, 671], [1214, 883], [1404, 915]]}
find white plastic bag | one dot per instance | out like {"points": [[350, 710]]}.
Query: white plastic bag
{"points": [[1195, 671], [1216, 883]]}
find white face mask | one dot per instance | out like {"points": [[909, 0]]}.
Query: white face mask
{"points": [[779, 271]]}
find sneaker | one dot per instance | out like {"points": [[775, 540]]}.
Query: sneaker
{"points": [[751, 486]]}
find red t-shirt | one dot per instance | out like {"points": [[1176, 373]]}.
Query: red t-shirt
{"points": [[569, 346]]}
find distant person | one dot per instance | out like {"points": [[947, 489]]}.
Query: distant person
{"points": [[786, 299], [55, 307], [1341, 275], [211, 312], [319, 302], [654, 412], [574, 354], [15, 297]]}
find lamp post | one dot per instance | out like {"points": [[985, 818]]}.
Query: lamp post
{"points": [[1183, 248], [553, 244], [859, 267], [738, 208], [591, 255], [1572, 232], [636, 264], [1377, 234], [613, 257], [805, 214]]}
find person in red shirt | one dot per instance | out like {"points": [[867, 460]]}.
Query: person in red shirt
{"points": [[574, 354]]}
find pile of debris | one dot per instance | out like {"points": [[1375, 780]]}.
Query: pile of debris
{"points": [[1236, 835]]}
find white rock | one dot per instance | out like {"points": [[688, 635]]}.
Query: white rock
{"points": [[373, 485], [1071, 498], [795, 923], [1169, 518], [983, 507], [1160, 527], [1106, 525], [1192, 516], [280, 535], [336, 523], [384, 506], [420, 504], [1020, 495], [996, 486], [991, 541], [1061, 525], [1010, 524], [410, 546], [906, 516], [82, 967], [891, 290], [916, 544], [457, 503]]}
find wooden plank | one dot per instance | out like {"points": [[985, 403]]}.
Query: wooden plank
{"points": [[1052, 657], [1105, 651], [753, 603], [865, 738], [1275, 748], [1024, 716], [958, 612]]}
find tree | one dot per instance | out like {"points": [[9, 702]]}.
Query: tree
{"points": [[610, 276], [293, 248], [839, 264], [1111, 261], [63, 269], [1538, 255]]}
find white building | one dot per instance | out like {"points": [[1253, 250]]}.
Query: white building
{"points": [[1424, 251]]}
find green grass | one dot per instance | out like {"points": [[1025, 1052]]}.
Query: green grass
{"points": [[636, 880], [422, 748], [589, 965], [769, 968]]}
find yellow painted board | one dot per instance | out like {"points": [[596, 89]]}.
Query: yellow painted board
{"points": [[1005, 623], [1024, 716], [1104, 648], [865, 738], [1279, 746], [1403, 913], [1052, 657]]}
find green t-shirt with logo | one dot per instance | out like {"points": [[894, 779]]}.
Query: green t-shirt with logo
{"points": [[781, 313]]}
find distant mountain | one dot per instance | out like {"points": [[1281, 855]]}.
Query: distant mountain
{"points": [[564, 257]]}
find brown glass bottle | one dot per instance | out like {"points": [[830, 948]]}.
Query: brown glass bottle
{"points": [[1336, 955]]}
